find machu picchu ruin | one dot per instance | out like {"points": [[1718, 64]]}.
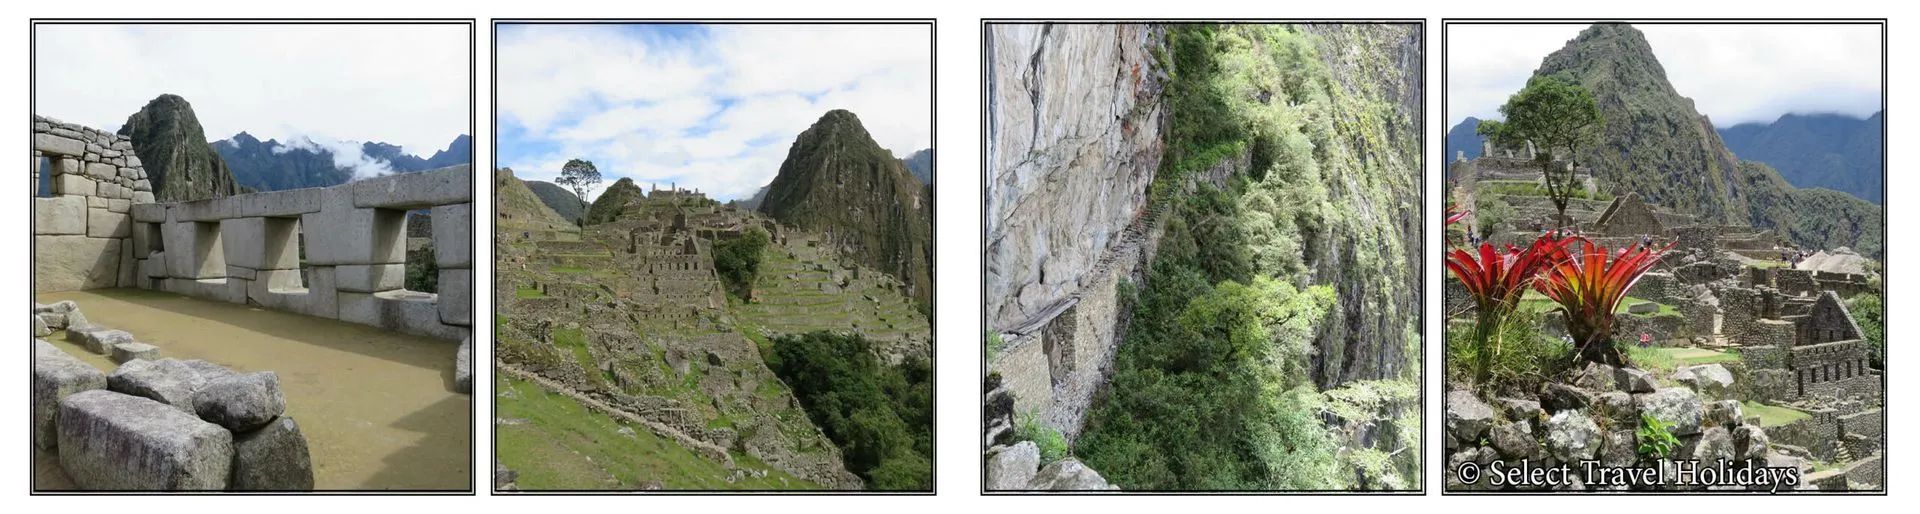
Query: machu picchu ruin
{"points": [[309, 283], [1600, 323], [629, 359], [290, 318]]}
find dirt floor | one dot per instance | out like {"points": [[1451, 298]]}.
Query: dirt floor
{"points": [[378, 408]]}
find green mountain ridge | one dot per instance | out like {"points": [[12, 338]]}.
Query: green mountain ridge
{"points": [[837, 180], [1656, 143]]}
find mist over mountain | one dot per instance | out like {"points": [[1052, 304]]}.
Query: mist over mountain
{"points": [[1834, 151]]}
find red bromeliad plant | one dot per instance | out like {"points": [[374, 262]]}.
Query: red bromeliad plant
{"points": [[1589, 286], [1497, 280], [1454, 214]]}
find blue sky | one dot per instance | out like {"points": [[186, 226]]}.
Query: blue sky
{"points": [[1734, 73], [712, 107], [402, 84]]}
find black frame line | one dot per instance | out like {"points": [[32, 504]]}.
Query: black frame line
{"points": [[1447, 23], [933, 44], [986, 25], [473, 425]]}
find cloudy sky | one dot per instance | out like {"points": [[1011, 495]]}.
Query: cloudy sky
{"points": [[401, 84], [713, 107], [1734, 73]]}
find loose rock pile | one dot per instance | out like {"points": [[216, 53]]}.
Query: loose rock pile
{"points": [[161, 424], [99, 339], [1017, 468], [1595, 414]]}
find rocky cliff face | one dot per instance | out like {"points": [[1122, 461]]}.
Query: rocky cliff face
{"points": [[1073, 139], [837, 180], [174, 148]]}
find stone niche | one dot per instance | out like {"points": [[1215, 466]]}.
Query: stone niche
{"points": [[86, 182], [246, 249]]}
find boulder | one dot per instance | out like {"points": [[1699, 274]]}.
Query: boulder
{"points": [[1556, 397], [1068, 475], [1616, 407], [40, 328], [1515, 440], [273, 458], [168, 381], [463, 367], [74, 319], [1571, 436], [1749, 442], [57, 375], [1724, 413], [1677, 407], [124, 352], [1620, 448], [1643, 308], [1595, 377], [241, 402], [1467, 416], [113, 441], [1012, 468], [1633, 380], [1715, 444], [1710, 380], [1522, 410], [103, 341], [53, 321]]}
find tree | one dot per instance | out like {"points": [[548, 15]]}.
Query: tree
{"points": [[1494, 131], [1555, 114], [738, 261], [579, 175]]}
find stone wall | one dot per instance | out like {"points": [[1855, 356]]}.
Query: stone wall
{"points": [[247, 249], [81, 231]]}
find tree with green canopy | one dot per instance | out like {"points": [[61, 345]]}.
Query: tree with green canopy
{"points": [[1555, 114]]}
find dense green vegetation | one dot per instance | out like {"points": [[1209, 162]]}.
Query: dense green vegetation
{"points": [[1869, 311], [880, 415], [422, 272], [737, 261], [1213, 386]]}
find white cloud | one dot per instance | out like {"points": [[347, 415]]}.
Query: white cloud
{"points": [[402, 84], [1734, 73], [713, 109], [346, 154]]}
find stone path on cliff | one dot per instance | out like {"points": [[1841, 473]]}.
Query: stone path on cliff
{"points": [[1125, 247]]}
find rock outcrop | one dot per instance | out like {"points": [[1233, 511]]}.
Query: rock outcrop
{"points": [[1073, 141], [170, 142], [837, 180]]}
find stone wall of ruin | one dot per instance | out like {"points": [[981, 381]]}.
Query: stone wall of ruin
{"points": [[246, 249], [81, 230]]}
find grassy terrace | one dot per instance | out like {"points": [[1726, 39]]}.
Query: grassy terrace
{"points": [[1771, 416], [553, 442], [1668, 359]]}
